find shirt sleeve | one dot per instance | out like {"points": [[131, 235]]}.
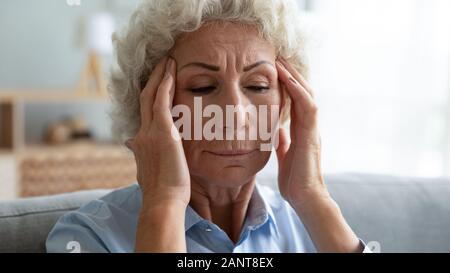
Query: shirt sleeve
{"points": [[72, 235], [103, 225]]}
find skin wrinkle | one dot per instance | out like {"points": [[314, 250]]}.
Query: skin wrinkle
{"points": [[221, 188], [217, 186], [202, 173]]}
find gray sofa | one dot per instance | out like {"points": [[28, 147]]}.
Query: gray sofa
{"points": [[401, 214]]}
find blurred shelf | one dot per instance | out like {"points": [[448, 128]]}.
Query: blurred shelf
{"points": [[36, 169], [11, 96], [77, 165], [12, 112], [73, 148], [6, 151]]}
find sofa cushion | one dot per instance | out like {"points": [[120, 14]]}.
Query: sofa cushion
{"points": [[25, 223], [403, 214]]}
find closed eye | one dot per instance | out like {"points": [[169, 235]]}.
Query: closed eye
{"points": [[204, 90], [258, 88], [208, 89]]}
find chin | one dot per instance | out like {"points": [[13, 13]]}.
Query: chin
{"points": [[229, 174], [232, 176]]}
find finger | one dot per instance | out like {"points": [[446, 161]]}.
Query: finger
{"points": [[292, 130], [297, 75], [301, 98], [303, 109], [164, 93], [173, 71], [283, 146], [291, 113], [147, 95]]}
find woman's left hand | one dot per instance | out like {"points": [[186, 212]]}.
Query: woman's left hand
{"points": [[300, 176]]}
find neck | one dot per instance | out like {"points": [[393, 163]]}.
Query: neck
{"points": [[224, 206]]}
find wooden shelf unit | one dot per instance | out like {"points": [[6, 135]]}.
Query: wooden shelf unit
{"points": [[21, 162], [12, 103]]}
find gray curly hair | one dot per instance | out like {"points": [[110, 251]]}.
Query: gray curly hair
{"points": [[156, 24]]}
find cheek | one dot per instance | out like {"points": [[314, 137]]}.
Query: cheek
{"points": [[193, 153], [272, 103], [271, 97], [182, 98]]}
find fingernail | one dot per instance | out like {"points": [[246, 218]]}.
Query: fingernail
{"points": [[169, 65], [162, 61], [128, 143], [293, 80], [284, 62], [279, 63]]}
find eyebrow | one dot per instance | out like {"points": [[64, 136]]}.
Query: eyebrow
{"points": [[216, 68]]}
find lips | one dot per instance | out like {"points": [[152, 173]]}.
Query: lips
{"points": [[233, 153]]}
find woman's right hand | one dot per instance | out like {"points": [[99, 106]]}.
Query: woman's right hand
{"points": [[162, 170]]}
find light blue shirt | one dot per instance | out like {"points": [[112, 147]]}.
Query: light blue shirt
{"points": [[109, 225]]}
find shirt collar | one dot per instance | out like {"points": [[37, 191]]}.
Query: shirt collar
{"points": [[191, 218], [259, 212]]}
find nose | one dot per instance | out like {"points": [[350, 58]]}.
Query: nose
{"points": [[234, 104]]}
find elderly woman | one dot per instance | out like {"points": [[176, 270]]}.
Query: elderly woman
{"points": [[200, 195]]}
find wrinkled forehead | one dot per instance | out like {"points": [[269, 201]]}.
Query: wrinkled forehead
{"points": [[213, 43]]}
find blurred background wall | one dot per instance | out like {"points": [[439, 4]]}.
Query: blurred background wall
{"points": [[40, 49], [380, 70], [381, 73]]}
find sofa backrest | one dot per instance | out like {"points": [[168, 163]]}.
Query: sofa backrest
{"points": [[401, 214]]}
